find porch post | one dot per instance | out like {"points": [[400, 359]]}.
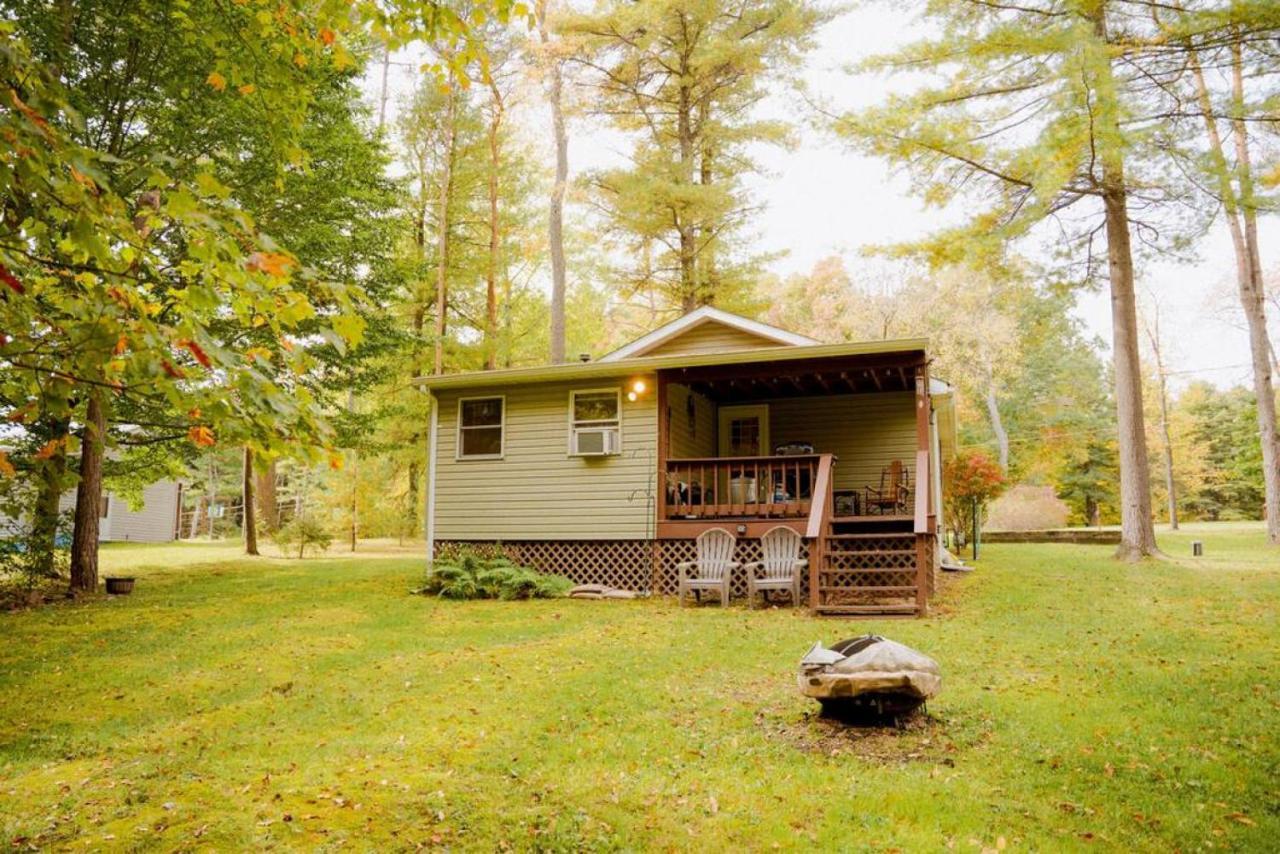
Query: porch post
{"points": [[660, 482], [924, 487]]}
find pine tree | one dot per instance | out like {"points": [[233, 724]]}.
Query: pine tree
{"points": [[683, 78]]}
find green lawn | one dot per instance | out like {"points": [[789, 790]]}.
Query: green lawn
{"points": [[239, 703]]}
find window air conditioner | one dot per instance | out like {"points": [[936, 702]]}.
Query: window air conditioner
{"points": [[596, 441]]}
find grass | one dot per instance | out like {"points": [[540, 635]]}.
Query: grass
{"points": [[232, 703]]}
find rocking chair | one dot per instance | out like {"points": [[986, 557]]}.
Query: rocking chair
{"points": [[894, 492]]}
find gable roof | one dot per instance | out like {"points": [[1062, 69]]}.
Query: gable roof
{"points": [[699, 317]]}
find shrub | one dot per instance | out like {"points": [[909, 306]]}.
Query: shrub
{"points": [[469, 576], [303, 533]]}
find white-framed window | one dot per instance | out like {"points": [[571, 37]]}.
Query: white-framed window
{"points": [[595, 422], [481, 427]]}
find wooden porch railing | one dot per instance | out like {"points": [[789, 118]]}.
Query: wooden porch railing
{"points": [[744, 487]]}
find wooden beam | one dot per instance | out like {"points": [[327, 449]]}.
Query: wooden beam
{"points": [[906, 359], [875, 378], [853, 388]]}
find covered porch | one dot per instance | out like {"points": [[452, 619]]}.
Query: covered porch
{"points": [[838, 449]]}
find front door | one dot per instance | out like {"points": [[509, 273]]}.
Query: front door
{"points": [[744, 430]]}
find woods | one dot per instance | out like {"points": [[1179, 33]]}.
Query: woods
{"points": [[227, 238]]}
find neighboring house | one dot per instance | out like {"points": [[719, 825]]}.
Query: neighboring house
{"points": [[155, 522], [606, 470]]}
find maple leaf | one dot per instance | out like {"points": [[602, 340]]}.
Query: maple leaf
{"points": [[217, 81], [50, 448], [196, 350], [122, 344], [169, 369], [201, 436], [327, 36], [6, 467], [11, 280], [271, 263], [255, 353], [335, 461], [247, 89]]}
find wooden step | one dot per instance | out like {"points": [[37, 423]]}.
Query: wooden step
{"points": [[855, 520], [910, 588], [903, 610], [865, 570], [878, 552], [886, 535]]}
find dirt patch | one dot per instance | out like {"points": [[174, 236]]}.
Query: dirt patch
{"points": [[919, 737]]}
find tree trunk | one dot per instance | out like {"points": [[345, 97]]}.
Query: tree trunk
{"points": [[250, 523], [1162, 376], [1240, 205], [1251, 300], [84, 535], [1137, 530], [265, 490], [44, 525], [555, 217], [997, 423], [491, 276], [442, 235], [688, 235]]}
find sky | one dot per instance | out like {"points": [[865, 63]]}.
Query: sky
{"points": [[820, 199]]}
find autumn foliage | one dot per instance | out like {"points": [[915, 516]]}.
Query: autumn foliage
{"points": [[971, 476]]}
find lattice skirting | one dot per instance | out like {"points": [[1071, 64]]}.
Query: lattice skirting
{"points": [[646, 566], [649, 566]]}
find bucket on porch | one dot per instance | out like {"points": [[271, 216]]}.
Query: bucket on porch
{"points": [[742, 490]]}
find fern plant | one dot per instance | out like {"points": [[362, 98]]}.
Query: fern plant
{"points": [[467, 575]]}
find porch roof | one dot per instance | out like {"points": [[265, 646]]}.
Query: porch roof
{"points": [[645, 365]]}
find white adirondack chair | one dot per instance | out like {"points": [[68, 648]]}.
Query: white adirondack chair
{"points": [[713, 570], [780, 569]]}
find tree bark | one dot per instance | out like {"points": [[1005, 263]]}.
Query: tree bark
{"points": [[1251, 300], [442, 230], [688, 235], [555, 215], [491, 275], [84, 535], [250, 522], [997, 423], [1153, 336], [44, 526], [1137, 530], [265, 491], [1239, 205]]}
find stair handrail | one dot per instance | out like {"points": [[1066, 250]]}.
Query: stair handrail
{"points": [[823, 497]]}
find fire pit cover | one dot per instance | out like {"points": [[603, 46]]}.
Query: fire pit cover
{"points": [[868, 665]]}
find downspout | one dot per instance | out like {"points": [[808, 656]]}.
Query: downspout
{"points": [[935, 448], [432, 435]]}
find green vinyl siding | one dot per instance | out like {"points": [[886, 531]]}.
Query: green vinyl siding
{"points": [[865, 431], [696, 439], [537, 491]]}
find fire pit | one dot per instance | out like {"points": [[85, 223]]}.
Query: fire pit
{"points": [[868, 677]]}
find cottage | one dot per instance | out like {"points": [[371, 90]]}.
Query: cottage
{"points": [[606, 470]]}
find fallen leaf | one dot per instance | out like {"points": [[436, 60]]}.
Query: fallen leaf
{"points": [[217, 81]]}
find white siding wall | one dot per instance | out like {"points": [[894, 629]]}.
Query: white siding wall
{"points": [[154, 523]]}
